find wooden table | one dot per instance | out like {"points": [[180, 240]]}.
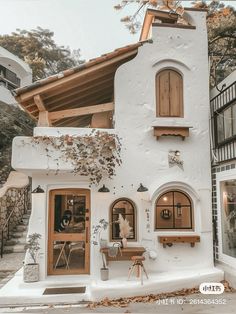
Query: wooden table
{"points": [[127, 253]]}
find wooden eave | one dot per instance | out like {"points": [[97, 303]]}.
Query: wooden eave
{"points": [[152, 15], [162, 19], [89, 84]]}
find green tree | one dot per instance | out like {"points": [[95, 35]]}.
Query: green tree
{"points": [[38, 48], [221, 24]]}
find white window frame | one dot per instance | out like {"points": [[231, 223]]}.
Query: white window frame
{"points": [[220, 177]]}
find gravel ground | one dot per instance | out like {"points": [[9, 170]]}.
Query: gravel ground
{"points": [[12, 261], [192, 304]]}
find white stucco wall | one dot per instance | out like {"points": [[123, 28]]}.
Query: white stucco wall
{"points": [[144, 158]]}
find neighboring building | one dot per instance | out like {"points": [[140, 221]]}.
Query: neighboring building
{"points": [[14, 73], [223, 122], [155, 96]]}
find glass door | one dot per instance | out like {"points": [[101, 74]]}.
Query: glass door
{"points": [[69, 232]]}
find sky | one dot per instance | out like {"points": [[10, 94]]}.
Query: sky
{"points": [[92, 26]]}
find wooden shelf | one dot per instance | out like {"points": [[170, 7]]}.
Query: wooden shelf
{"points": [[182, 131], [179, 239], [127, 253]]}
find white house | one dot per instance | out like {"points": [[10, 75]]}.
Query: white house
{"points": [[154, 96], [223, 100], [14, 73]]}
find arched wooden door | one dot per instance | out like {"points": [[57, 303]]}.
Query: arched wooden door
{"points": [[69, 232]]}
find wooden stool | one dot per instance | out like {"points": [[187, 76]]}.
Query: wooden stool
{"points": [[138, 264]]}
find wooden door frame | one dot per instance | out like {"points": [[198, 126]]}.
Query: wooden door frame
{"points": [[52, 237]]}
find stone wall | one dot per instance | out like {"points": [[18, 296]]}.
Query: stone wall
{"points": [[14, 121], [14, 203]]}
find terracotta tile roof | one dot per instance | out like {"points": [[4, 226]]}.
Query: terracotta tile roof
{"points": [[88, 84], [81, 67]]}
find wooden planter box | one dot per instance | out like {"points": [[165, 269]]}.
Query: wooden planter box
{"points": [[171, 131], [179, 239]]}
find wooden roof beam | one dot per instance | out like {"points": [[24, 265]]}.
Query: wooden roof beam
{"points": [[99, 84], [80, 121], [56, 115], [89, 96], [44, 119], [78, 75], [39, 103]]}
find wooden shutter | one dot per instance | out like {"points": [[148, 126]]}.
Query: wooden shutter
{"points": [[169, 94], [163, 94], [176, 94]]}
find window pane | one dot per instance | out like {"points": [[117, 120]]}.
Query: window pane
{"points": [[69, 213], [228, 217], [183, 217], [68, 255], [174, 211], [180, 198], [126, 209], [228, 123], [164, 217], [234, 118], [220, 128], [166, 199]]}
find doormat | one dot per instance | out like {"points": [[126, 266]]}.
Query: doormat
{"points": [[64, 290]]}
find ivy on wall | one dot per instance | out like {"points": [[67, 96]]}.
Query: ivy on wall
{"points": [[95, 155]]}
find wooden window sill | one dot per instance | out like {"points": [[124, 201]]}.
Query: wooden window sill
{"points": [[182, 131], [127, 253], [170, 240]]}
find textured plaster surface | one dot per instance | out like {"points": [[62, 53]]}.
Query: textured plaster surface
{"points": [[144, 158]]}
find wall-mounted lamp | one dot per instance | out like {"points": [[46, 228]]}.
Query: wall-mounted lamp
{"points": [[38, 190], [142, 188], [104, 189], [179, 209]]}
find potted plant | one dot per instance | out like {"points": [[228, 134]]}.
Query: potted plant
{"points": [[31, 270], [104, 271], [97, 229], [125, 230]]}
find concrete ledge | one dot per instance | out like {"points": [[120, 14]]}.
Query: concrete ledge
{"points": [[229, 273], [18, 292]]}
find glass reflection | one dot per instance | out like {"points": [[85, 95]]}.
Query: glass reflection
{"points": [[228, 220]]}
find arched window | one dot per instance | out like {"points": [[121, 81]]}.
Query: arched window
{"points": [[169, 94], [127, 209], [174, 211]]}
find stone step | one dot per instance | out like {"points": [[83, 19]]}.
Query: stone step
{"points": [[16, 241], [26, 216], [8, 276], [17, 235], [4, 273], [23, 222], [20, 228], [18, 248], [12, 242]]}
